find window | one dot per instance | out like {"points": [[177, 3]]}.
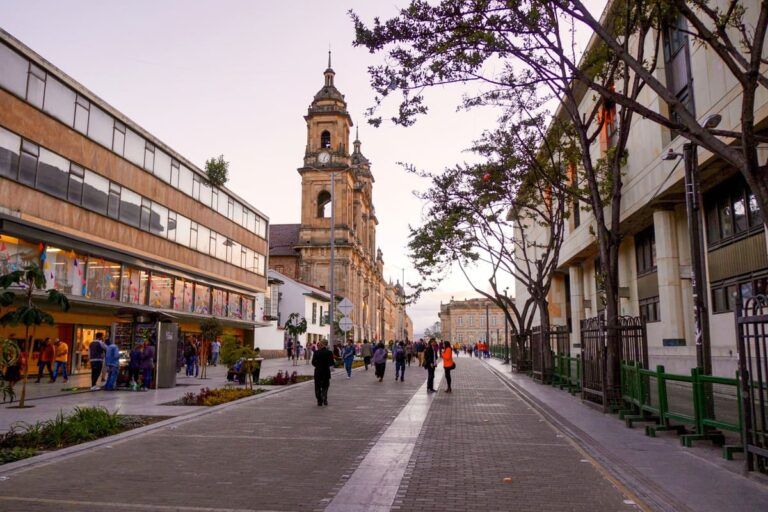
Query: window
{"points": [[28, 165], [322, 315], [205, 193], [59, 101], [95, 192], [14, 75], [223, 205], [725, 294], [731, 212], [64, 271], [314, 313], [53, 174], [202, 299], [15, 254], [460, 320], [183, 225], [237, 214], [113, 205], [149, 157], [118, 144], [248, 309], [233, 305], [75, 190], [103, 279], [645, 251], [182, 295], [36, 86], [219, 302], [325, 140], [82, 108], [9, 150], [649, 310], [100, 127], [134, 285], [222, 244], [323, 200], [146, 213], [676, 63], [185, 180], [160, 290], [135, 148], [158, 223], [130, 207], [174, 173]]}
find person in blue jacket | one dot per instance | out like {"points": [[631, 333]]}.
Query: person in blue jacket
{"points": [[348, 355], [112, 362]]}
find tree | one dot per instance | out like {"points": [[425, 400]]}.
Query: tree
{"points": [[296, 325], [217, 170], [31, 279], [524, 59], [9, 356], [210, 329], [432, 331]]}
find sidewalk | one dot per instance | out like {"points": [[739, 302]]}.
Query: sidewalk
{"points": [[664, 473], [49, 399]]}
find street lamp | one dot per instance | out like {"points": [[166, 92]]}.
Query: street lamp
{"points": [[506, 329]]}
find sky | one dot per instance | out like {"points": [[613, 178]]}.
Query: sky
{"points": [[235, 77]]}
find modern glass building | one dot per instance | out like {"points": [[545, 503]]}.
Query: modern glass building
{"points": [[120, 222]]}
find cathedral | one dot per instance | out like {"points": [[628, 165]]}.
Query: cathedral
{"points": [[302, 251]]}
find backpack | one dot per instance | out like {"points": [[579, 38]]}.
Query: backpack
{"points": [[96, 350], [399, 354]]}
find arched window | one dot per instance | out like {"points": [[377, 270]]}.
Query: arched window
{"points": [[325, 140], [323, 204]]}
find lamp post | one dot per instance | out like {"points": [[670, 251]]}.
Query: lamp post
{"points": [[506, 330], [487, 327]]}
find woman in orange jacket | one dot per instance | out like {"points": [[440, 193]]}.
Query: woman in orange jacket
{"points": [[448, 363]]}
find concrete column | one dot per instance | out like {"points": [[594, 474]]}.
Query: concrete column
{"points": [[576, 278], [668, 274]]}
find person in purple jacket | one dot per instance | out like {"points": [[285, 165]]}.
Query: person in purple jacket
{"points": [[380, 360], [147, 365]]}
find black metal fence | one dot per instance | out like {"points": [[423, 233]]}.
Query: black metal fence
{"points": [[752, 329], [520, 353], [543, 344]]}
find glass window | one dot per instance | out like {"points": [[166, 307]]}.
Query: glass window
{"points": [[113, 207], [248, 309], [185, 180], [134, 147], [237, 216], [203, 239], [205, 193], [14, 75], [10, 144], [159, 221], [222, 244], [28, 166], [118, 143], [36, 86], [262, 228], [719, 300], [134, 289], [53, 174], [162, 166], [233, 306], [103, 279], [59, 101], [175, 174], [182, 295], [95, 192], [202, 299], [234, 254], [713, 228], [100, 126], [75, 190], [755, 216], [160, 291], [223, 205], [15, 254], [218, 307], [196, 187], [130, 207], [145, 213], [149, 157], [740, 220], [64, 270], [214, 198], [182, 230], [82, 106], [193, 235], [726, 217], [171, 225]]}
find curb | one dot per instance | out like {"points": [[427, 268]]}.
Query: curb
{"points": [[48, 457], [652, 496]]}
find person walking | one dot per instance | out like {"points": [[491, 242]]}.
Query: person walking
{"points": [[60, 357], [134, 365], [348, 356], [309, 349], [147, 366], [96, 351], [112, 362], [45, 359], [189, 361], [289, 348], [367, 352], [448, 364], [408, 352], [420, 348], [215, 350], [256, 368], [429, 364], [380, 360], [322, 360], [399, 356]]}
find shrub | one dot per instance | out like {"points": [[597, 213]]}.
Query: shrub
{"points": [[13, 454], [209, 397], [283, 379]]}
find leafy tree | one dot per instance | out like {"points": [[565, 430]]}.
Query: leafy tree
{"points": [[296, 325], [217, 170], [9, 356], [31, 279], [232, 350], [210, 329]]}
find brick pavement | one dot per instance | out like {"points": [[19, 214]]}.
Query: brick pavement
{"points": [[483, 433]]}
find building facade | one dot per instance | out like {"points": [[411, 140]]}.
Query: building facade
{"points": [[472, 320], [121, 223], [655, 255], [302, 251]]}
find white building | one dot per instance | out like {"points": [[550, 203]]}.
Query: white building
{"points": [[287, 296]]}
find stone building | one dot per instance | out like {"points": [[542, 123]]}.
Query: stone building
{"points": [[464, 321], [302, 251]]}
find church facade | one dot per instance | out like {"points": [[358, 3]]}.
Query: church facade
{"points": [[302, 251]]}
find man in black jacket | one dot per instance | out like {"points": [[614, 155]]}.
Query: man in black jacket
{"points": [[322, 360], [429, 364]]}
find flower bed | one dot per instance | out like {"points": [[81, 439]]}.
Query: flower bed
{"points": [[208, 397], [83, 425], [284, 379]]}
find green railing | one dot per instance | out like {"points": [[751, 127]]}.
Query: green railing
{"points": [[682, 406], [566, 373]]}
